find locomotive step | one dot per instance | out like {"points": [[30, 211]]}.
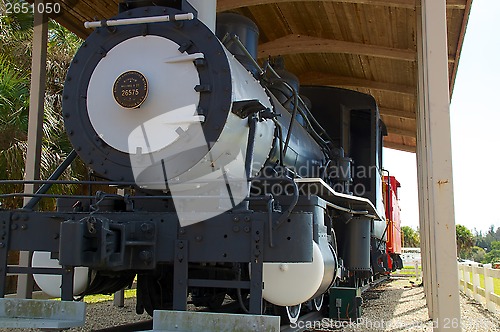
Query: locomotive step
{"points": [[212, 322], [42, 314]]}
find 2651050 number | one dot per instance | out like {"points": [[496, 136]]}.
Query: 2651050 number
{"points": [[25, 8]]}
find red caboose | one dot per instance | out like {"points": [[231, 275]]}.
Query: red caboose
{"points": [[393, 217]]}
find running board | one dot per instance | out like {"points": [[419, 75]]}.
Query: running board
{"points": [[42, 314], [189, 321]]}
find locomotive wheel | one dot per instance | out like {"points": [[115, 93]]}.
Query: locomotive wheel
{"points": [[154, 292], [210, 299], [216, 301], [318, 302], [288, 314]]}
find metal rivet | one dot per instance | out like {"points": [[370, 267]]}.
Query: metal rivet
{"points": [[146, 256]]}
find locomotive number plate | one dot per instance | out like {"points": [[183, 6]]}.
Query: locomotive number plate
{"points": [[130, 89]]}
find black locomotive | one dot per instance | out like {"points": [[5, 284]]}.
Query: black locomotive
{"points": [[227, 177]]}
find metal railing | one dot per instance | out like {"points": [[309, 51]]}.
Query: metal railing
{"points": [[470, 276]]}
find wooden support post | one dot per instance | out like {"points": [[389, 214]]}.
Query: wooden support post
{"points": [[489, 288], [437, 219], [35, 126], [476, 283], [467, 280]]}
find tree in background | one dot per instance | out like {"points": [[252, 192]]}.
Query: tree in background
{"points": [[465, 241], [494, 254], [16, 31], [411, 238], [476, 254], [484, 240]]}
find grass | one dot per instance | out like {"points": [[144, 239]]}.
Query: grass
{"points": [[129, 293], [496, 283], [98, 298], [408, 270]]}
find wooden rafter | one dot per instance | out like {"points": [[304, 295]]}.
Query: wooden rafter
{"points": [[223, 5], [398, 146], [401, 132], [293, 44], [318, 78], [460, 45], [303, 44], [384, 111]]}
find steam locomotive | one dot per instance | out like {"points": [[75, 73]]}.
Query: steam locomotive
{"points": [[227, 177]]}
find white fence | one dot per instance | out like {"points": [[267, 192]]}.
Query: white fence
{"points": [[411, 257], [469, 276]]}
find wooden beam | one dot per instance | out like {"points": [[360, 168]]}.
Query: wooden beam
{"points": [[457, 4], [318, 78], [402, 132], [223, 5], [35, 130], [434, 168], [296, 44], [293, 44], [456, 61], [400, 147], [384, 111]]}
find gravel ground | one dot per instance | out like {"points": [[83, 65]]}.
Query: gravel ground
{"points": [[104, 315], [391, 306], [396, 306]]}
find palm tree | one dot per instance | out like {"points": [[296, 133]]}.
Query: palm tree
{"points": [[465, 240], [411, 238], [16, 32]]}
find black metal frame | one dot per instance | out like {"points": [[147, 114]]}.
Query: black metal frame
{"points": [[150, 238]]}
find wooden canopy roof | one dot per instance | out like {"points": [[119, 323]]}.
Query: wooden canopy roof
{"points": [[365, 45]]}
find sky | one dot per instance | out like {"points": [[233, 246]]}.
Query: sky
{"points": [[475, 126]]}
